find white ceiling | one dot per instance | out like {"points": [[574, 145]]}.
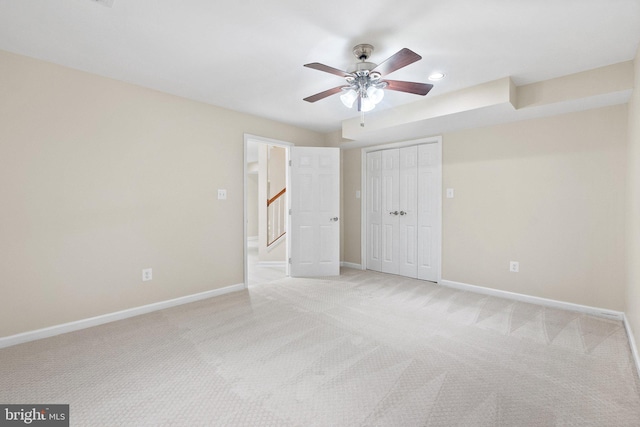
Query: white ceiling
{"points": [[247, 55]]}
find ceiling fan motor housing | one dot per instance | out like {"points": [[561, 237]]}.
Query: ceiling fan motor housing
{"points": [[362, 68], [362, 51]]}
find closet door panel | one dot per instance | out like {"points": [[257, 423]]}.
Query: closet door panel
{"points": [[408, 214], [374, 210], [428, 211], [390, 211]]}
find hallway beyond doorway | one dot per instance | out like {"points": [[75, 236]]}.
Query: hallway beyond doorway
{"points": [[261, 274]]}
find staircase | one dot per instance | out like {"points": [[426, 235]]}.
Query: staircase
{"points": [[276, 207]]}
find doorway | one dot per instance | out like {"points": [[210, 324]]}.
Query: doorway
{"points": [[266, 223]]}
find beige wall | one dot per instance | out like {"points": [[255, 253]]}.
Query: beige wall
{"points": [[633, 218], [549, 193], [101, 179]]}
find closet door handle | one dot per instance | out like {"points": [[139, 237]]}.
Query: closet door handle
{"points": [[403, 213], [393, 213], [335, 218]]}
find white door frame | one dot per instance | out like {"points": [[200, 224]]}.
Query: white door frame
{"points": [[286, 146], [363, 191]]}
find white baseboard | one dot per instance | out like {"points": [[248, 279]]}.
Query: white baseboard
{"points": [[351, 265], [632, 344], [600, 312], [112, 317], [271, 264]]}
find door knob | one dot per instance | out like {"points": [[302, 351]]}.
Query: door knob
{"points": [[403, 213], [335, 218], [393, 213]]}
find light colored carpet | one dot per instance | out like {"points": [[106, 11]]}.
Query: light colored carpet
{"points": [[362, 349]]}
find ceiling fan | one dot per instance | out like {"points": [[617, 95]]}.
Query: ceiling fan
{"points": [[365, 80]]}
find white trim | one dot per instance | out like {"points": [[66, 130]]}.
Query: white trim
{"points": [[351, 265], [252, 238], [112, 317], [271, 264], [632, 344], [595, 311], [401, 144], [363, 193]]}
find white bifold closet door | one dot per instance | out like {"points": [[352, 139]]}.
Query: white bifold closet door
{"points": [[402, 217]]}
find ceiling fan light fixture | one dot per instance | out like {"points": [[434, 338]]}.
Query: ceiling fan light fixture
{"points": [[349, 97], [367, 104], [434, 77], [364, 79], [375, 94]]}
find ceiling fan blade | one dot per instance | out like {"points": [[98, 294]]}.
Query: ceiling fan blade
{"points": [[401, 59], [409, 87], [321, 67], [322, 95]]}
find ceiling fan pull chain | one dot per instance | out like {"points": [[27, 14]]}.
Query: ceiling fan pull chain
{"points": [[361, 118]]}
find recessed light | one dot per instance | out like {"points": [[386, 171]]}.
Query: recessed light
{"points": [[436, 76]]}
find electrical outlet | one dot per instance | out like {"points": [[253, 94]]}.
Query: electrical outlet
{"points": [[147, 274], [514, 266]]}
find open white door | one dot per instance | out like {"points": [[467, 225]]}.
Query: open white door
{"points": [[315, 209]]}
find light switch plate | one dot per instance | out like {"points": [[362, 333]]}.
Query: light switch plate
{"points": [[449, 193], [222, 194]]}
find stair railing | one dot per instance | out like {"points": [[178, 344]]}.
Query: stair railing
{"points": [[276, 207]]}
